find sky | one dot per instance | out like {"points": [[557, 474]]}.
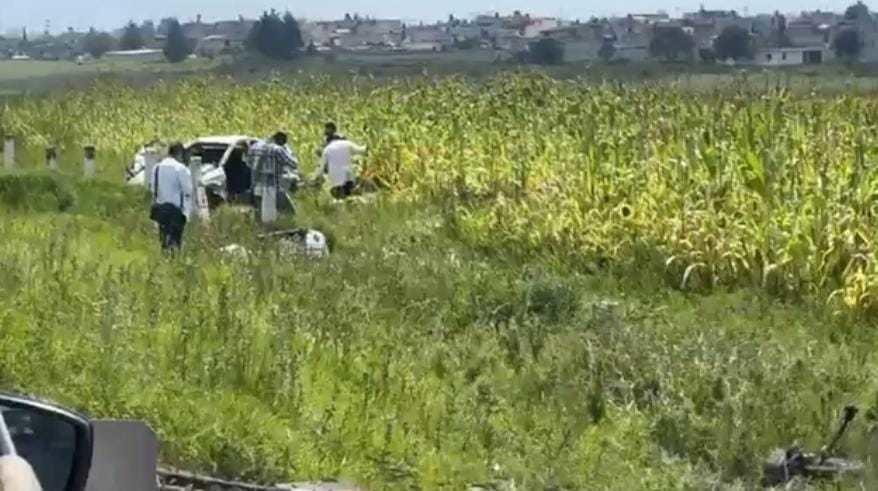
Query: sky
{"points": [[107, 14]]}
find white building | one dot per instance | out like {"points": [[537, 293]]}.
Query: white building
{"points": [[536, 27], [776, 56]]}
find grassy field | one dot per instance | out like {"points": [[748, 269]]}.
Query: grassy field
{"points": [[564, 286], [40, 77], [23, 77]]}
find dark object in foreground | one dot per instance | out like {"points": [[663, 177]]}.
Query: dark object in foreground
{"points": [[55, 443], [784, 466]]}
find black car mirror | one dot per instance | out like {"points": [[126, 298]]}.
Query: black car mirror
{"points": [[55, 442]]}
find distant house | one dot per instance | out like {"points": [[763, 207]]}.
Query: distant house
{"points": [[512, 42], [214, 45], [763, 26], [495, 24], [632, 38], [157, 42], [428, 34], [790, 56], [650, 18], [710, 16], [536, 27], [382, 33], [380, 27], [808, 33], [868, 30], [582, 42], [704, 34], [820, 17], [489, 22], [319, 33], [466, 32], [197, 30], [234, 31], [354, 33]]}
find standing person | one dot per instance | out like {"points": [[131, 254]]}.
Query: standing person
{"points": [[273, 163], [172, 197], [330, 133], [337, 163]]}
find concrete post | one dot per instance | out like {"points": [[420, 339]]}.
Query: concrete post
{"points": [[52, 158], [269, 202], [9, 153], [201, 208], [150, 159], [88, 163]]}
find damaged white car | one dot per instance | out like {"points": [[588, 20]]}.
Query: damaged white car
{"points": [[225, 173]]}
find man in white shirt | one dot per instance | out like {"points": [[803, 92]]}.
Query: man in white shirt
{"points": [[337, 163], [172, 197]]}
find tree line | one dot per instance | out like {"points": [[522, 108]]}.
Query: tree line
{"points": [[273, 36]]}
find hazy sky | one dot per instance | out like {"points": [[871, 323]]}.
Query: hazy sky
{"points": [[111, 13]]}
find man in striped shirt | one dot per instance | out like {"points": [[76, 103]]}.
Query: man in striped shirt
{"points": [[274, 165]]}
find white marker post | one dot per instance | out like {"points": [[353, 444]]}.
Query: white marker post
{"points": [[88, 163], [269, 202], [150, 159], [9, 153], [202, 209], [52, 158]]}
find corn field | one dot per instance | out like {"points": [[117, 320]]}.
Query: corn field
{"points": [[735, 188]]}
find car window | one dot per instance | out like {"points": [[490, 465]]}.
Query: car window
{"points": [[210, 153]]}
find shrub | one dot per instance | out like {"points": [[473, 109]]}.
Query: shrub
{"points": [[35, 192]]}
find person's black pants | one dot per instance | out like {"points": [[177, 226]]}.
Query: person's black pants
{"points": [[343, 191], [171, 222]]}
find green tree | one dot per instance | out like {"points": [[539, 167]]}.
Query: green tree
{"points": [[177, 47], [97, 43], [857, 11], [734, 43], [276, 38], [292, 36], [547, 51], [132, 38], [848, 44], [671, 44]]}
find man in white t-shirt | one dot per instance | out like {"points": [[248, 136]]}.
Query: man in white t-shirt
{"points": [[337, 162], [171, 197]]}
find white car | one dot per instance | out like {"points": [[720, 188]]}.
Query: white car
{"points": [[225, 173]]}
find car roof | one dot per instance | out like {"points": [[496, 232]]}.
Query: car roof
{"points": [[222, 140]]}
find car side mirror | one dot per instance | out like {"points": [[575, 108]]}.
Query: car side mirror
{"points": [[55, 442]]}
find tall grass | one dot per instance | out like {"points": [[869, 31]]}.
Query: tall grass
{"points": [[409, 359]]}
